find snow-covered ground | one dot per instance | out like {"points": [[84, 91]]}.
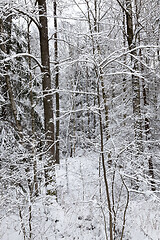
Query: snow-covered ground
{"points": [[79, 213]]}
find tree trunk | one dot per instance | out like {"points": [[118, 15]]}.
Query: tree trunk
{"points": [[32, 117], [104, 169], [135, 80], [7, 26], [56, 81], [148, 137], [47, 97]]}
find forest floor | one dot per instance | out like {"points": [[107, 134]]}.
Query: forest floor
{"points": [[79, 214]]}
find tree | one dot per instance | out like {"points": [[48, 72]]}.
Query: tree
{"points": [[56, 80], [103, 65], [47, 96], [131, 38]]}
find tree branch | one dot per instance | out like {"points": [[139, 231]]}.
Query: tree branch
{"points": [[29, 16], [23, 55]]}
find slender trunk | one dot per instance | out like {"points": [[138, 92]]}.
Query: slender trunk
{"points": [[2, 79], [148, 137], [56, 81], [22, 225], [124, 59], [32, 119], [98, 71], [30, 221], [104, 169], [88, 128], [13, 106], [6, 49], [135, 80]]}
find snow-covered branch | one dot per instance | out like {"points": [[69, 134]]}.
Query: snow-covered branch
{"points": [[23, 55]]}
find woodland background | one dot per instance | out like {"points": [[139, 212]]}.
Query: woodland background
{"points": [[79, 119]]}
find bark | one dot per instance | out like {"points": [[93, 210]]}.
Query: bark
{"points": [[104, 169], [3, 83], [7, 26], [56, 81], [47, 97], [88, 129], [13, 106], [148, 137], [129, 21], [32, 118], [124, 59], [135, 80]]}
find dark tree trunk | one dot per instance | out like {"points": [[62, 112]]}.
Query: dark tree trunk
{"points": [[135, 80], [47, 96], [56, 80], [32, 117], [148, 137]]}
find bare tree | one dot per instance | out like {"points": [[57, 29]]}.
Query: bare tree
{"points": [[135, 79], [47, 96], [56, 80]]}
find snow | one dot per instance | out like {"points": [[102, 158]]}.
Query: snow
{"points": [[144, 219], [77, 215]]}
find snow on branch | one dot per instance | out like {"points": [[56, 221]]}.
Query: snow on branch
{"points": [[107, 60], [23, 55]]}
